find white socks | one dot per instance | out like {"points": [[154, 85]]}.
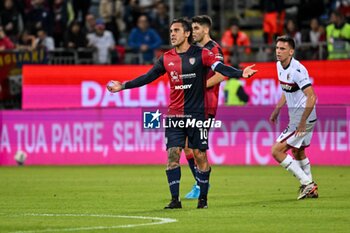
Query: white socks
{"points": [[305, 165], [293, 167]]}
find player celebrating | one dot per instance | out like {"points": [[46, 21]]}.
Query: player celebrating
{"points": [[300, 98], [186, 66], [201, 26]]}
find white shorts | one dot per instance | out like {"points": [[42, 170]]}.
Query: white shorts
{"points": [[301, 141]]}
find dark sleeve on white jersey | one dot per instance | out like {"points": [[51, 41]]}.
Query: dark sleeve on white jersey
{"points": [[156, 71], [301, 78]]}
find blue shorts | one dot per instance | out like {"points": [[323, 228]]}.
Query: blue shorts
{"points": [[175, 136]]}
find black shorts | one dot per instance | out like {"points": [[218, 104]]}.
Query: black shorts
{"points": [[175, 136]]}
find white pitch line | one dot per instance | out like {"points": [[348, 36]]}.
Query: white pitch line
{"points": [[161, 221]]}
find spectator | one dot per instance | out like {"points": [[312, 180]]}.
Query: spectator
{"points": [[11, 20], [27, 6], [231, 43], [160, 21], [147, 6], [338, 37], [39, 18], [44, 41], [62, 17], [314, 35], [134, 9], [144, 40], [75, 37], [132, 13], [94, 8], [5, 42], [343, 6], [293, 32], [112, 13], [103, 41], [90, 23], [188, 8], [26, 41], [308, 9], [274, 15], [81, 9]]}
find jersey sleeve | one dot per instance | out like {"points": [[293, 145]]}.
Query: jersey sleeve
{"points": [[156, 71], [208, 57], [218, 53], [301, 78]]}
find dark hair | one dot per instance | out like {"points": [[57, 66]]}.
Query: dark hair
{"points": [[337, 13], [287, 39], [202, 20], [233, 22], [186, 25]]}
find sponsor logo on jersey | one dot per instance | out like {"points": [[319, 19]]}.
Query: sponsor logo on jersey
{"points": [[171, 63], [286, 87], [292, 87], [188, 76], [183, 87]]}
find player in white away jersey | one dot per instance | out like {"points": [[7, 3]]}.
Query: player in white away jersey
{"points": [[301, 99]]}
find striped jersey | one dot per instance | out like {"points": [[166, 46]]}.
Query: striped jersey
{"points": [[213, 92], [187, 74]]}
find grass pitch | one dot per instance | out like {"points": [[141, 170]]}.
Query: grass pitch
{"points": [[100, 199]]}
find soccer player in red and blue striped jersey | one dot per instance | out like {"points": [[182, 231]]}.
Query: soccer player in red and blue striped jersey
{"points": [[201, 26], [187, 67]]}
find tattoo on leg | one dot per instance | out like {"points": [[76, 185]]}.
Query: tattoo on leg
{"points": [[174, 157]]}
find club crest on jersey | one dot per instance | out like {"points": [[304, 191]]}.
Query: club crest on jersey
{"points": [[288, 77], [192, 60]]}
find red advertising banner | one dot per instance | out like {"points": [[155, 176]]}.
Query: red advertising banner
{"points": [[84, 86]]}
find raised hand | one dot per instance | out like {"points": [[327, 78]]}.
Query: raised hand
{"points": [[249, 72]]}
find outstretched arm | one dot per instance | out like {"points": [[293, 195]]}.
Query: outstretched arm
{"points": [[150, 76], [232, 72], [156, 71]]}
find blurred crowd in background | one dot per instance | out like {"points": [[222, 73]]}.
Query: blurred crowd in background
{"points": [[113, 28]]}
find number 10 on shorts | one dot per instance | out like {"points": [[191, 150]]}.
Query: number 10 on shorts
{"points": [[203, 133]]}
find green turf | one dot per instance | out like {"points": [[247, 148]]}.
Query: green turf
{"points": [[242, 199]]}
